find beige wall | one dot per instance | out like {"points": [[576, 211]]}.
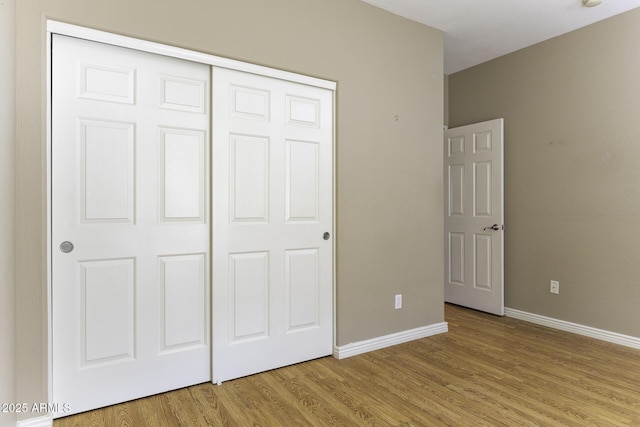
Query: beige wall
{"points": [[572, 170], [7, 210], [389, 172]]}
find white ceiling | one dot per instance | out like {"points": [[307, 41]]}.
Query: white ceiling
{"points": [[479, 30]]}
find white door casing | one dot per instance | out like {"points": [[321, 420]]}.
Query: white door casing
{"points": [[474, 218], [272, 268], [130, 192]]}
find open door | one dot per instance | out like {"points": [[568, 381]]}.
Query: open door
{"points": [[474, 216]]}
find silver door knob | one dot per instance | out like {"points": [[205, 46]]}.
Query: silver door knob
{"points": [[494, 227], [326, 235], [66, 247]]}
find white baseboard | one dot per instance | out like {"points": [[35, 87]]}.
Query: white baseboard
{"points": [[360, 347], [575, 328], [42, 421]]}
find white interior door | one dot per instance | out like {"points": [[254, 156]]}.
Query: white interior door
{"points": [[272, 271], [474, 236], [130, 224]]}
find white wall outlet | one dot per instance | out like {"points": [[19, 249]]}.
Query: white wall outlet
{"points": [[554, 287], [398, 301]]}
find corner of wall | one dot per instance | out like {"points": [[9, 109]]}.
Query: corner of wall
{"points": [[446, 100], [7, 210]]}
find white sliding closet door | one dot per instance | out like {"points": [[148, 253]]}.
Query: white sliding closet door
{"points": [[273, 219], [134, 309], [130, 224]]}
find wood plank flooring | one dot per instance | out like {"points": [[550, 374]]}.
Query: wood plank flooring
{"points": [[486, 371]]}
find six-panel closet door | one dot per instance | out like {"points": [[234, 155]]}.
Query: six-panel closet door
{"points": [[130, 224], [273, 210]]}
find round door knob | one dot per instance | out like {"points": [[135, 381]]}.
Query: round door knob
{"points": [[326, 235], [66, 247]]}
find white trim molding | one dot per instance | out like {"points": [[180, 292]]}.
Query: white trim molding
{"points": [[360, 347], [42, 421], [588, 331]]}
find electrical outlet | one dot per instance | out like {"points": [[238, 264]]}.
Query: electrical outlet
{"points": [[398, 301], [554, 287]]}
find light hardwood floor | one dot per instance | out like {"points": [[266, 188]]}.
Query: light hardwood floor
{"points": [[486, 371]]}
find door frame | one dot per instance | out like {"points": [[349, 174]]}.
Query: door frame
{"points": [[57, 27]]}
